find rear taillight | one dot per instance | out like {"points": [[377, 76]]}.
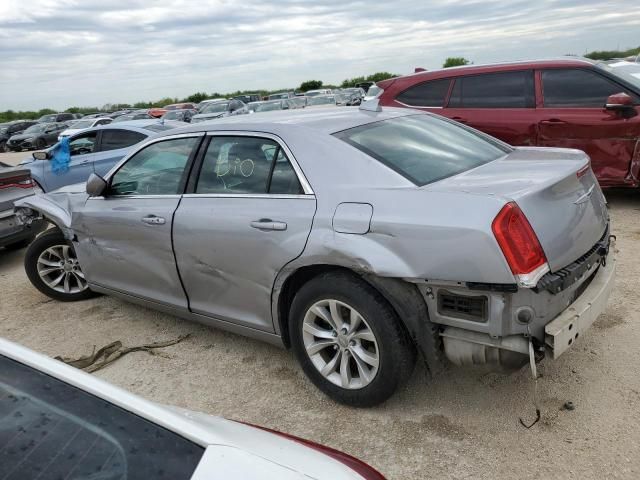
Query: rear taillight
{"points": [[20, 181], [365, 471], [519, 244]]}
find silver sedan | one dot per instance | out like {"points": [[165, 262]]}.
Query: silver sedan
{"points": [[360, 238]]}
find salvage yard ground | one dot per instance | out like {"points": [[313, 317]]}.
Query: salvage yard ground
{"points": [[462, 424]]}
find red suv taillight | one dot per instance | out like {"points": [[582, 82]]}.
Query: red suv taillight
{"points": [[365, 471], [19, 181], [518, 241]]}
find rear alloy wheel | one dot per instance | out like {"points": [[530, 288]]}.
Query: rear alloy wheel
{"points": [[52, 267], [348, 340]]}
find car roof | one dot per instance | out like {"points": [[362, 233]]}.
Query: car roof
{"points": [[489, 67], [329, 120]]}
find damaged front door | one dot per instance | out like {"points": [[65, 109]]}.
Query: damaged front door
{"points": [[124, 238]]}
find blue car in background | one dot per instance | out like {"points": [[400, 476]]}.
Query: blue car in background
{"points": [[94, 150]]}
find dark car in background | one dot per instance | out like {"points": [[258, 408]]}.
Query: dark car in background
{"points": [[37, 136], [7, 130], [571, 103], [251, 97], [15, 184], [56, 117]]}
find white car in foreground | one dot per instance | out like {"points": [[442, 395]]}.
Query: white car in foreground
{"points": [[81, 125], [60, 422]]}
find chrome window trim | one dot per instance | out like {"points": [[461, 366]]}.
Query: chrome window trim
{"points": [[145, 144], [250, 195], [306, 186], [135, 196]]}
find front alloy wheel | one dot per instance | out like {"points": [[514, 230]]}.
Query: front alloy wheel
{"points": [[52, 267]]}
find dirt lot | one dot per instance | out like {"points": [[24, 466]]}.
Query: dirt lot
{"points": [[463, 424]]}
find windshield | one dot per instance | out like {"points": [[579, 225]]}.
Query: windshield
{"points": [[36, 128], [626, 70], [216, 107], [322, 100], [123, 118], [83, 124], [47, 118], [174, 114], [424, 148], [269, 106], [3, 130]]}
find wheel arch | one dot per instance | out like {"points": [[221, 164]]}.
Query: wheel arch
{"points": [[403, 297]]}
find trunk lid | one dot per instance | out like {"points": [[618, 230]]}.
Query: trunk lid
{"points": [[555, 188]]}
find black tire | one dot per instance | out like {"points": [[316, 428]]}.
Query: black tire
{"points": [[51, 238], [395, 352], [21, 244], [3, 147], [40, 143]]}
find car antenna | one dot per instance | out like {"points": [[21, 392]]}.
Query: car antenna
{"points": [[371, 105]]}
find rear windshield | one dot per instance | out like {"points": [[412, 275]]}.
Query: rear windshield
{"points": [[50, 429], [424, 148]]}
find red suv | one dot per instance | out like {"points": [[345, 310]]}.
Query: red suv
{"points": [[573, 103]]}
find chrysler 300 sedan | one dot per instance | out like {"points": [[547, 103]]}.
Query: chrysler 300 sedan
{"points": [[360, 238]]}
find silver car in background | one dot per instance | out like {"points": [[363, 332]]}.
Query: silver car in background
{"points": [[357, 237]]}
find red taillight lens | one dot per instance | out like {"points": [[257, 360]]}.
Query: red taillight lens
{"points": [[20, 181], [365, 471], [517, 240]]}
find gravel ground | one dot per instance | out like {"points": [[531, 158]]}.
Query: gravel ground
{"points": [[462, 424]]}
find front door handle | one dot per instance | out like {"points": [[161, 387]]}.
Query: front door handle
{"points": [[553, 121], [153, 220], [268, 224]]}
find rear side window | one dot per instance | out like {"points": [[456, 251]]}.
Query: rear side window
{"points": [[424, 148], [246, 165], [112, 139], [494, 90], [427, 94], [578, 88], [50, 429]]}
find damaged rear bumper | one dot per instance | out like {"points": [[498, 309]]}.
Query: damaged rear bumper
{"points": [[568, 326]]}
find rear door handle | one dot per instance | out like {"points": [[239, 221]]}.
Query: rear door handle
{"points": [[553, 121], [268, 224], [153, 220], [460, 119]]}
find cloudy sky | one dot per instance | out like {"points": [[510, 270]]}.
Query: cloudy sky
{"points": [[62, 53]]}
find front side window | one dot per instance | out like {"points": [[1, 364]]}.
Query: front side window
{"points": [[578, 88], [427, 94], [424, 148], [155, 170], [83, 144], [50, 429], [494, 90], [246, 165], [113, 139]]}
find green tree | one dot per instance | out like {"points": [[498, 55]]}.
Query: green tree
{"points": [[609, 54], [196, 97], [310, 85], [455, 62]]}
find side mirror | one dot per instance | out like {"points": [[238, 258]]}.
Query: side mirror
{"points": [[96, 185], [621, 104], [41, 155]]}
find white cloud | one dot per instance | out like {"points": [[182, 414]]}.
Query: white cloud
{"points": [[89, 52]]}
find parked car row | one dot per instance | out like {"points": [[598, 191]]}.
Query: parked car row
{"points": [[573, 103]]}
